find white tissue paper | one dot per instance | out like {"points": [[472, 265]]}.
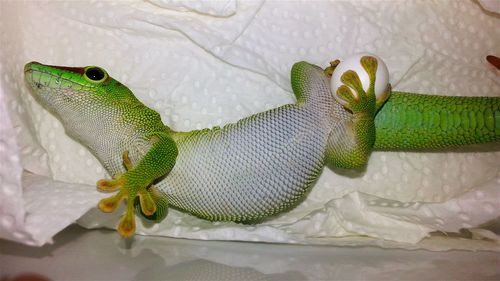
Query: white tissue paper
{"points": [[206, 63]]}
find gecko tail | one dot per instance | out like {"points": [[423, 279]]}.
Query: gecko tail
{"points": [[416, 122]]}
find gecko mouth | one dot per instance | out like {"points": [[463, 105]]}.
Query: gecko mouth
{"points": [[45, 86], [29, 66], [32, 77], [38, 77]]}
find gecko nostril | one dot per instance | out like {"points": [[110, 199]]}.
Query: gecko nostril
{"points": [[28, 66]]}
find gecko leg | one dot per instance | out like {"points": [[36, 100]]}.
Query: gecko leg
{"points": [[354, 150], [137, 182]]}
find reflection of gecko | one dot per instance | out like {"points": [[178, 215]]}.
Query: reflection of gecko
{"points": [[260, 166]]}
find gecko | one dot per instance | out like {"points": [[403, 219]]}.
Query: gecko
{"points": [[262, 165]]}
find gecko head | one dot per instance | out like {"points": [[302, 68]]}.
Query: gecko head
{"points": [[76, 93]]}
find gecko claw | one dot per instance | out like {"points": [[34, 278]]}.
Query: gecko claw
{"points": [[160, 205], [110, 204], [329, 70], [351, 92], [109, 185], [148, 206], [126, 226], [126, 161]]}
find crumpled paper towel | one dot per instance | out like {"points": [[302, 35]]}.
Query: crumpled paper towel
{"points": [[490, 5], [201, 64]]}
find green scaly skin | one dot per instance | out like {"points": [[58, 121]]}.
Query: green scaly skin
{"points": [[415, 122], [260, 166]]}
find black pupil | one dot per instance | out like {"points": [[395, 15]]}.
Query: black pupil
{"points": [[95, 73]]}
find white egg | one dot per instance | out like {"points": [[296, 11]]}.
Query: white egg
{"points": [[353, 63]]}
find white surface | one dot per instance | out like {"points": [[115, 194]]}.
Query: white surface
{"points": [[200, 65], [101, 255]]}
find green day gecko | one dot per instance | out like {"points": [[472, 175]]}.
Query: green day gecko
{"points": [[264, 164]]}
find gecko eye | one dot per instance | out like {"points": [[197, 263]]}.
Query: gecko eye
{"points": [[95, 74]]}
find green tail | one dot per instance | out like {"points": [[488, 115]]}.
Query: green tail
{"points": [[424, 122]]}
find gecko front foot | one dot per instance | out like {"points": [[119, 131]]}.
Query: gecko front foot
{"points": [[130, 186]]}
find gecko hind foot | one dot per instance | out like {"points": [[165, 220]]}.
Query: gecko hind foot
{"points": [[355, 97]]}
